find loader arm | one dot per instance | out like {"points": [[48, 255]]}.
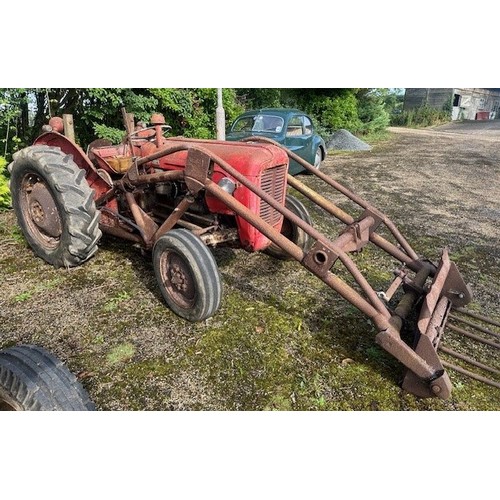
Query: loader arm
{"points": [[432, 291]]}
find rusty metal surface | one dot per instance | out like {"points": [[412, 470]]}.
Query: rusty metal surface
{"points": [[475, 326], [280, 240], [198, 169], [174, 217], [480, 346], [177, 278], [468, 359], [426, 347], [480, 317], [472, 336], [320, 259], [472, 375], [327, 205], [431, 299], [143, 220], [42, 215], [394, 286], [43, 209]]}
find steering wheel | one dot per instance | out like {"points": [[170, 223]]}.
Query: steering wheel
{"points": [[148, 137]]}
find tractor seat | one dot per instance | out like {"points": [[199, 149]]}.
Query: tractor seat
{"points": [[112, 159]]}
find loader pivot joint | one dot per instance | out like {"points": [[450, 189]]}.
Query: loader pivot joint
{"points": [[319, 259]]}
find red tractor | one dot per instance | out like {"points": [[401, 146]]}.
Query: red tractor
{"points": [[178, 196], [149, 190]]}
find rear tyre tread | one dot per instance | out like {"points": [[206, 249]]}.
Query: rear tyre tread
{"points": [[73, 196]]}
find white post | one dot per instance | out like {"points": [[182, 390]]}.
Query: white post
{"points": [[220, 118]]}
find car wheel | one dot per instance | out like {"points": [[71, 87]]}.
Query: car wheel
{"points": [[318, 159]]}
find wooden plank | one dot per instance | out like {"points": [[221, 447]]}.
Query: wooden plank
{"points": [[69, 129]]}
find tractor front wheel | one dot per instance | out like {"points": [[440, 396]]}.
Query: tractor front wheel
{"points": [[54, 206], [187, 274], [294, 233]]}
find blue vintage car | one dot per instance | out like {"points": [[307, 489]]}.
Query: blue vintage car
{"points": [[290, 127]]}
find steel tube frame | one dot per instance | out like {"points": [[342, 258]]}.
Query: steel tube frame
{"points": [[346, 192]]}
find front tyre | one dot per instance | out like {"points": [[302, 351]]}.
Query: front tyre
{"points": [[294, 233], [187, 275], [54, 206]]}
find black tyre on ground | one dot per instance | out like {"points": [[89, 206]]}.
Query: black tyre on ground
{"points": [[187, 274], [294, 233], [33, 379], [54, 206]]}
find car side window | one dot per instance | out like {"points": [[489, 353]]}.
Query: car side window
{"points": [[267, 123], [294, 126], [243, 124], [308, 126]]}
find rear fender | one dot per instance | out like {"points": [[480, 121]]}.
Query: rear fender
{"points": [[56, 140]]}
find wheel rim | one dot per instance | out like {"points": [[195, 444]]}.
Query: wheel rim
{"points": [[40, 211], [317, 159], [7, 403], [178, 279]]}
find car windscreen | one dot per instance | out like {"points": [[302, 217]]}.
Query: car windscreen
{"points": [[259, 123]]}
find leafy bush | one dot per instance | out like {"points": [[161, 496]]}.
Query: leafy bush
{"points": [[421, 117], [4, 186], [114, 135], [189, 111], [334, 112]]}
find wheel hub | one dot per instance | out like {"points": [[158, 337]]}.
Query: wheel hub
{"points": [[43, 210], [178, 278]]}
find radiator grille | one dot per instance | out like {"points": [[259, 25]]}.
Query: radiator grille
{"points": [[273, 183]]}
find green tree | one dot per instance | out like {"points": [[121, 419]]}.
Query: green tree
{"points": [[372, 110]]}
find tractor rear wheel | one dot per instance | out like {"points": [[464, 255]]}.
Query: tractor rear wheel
{"points": [[294, 233], [54, 206], [187, 274], [33, 379]]}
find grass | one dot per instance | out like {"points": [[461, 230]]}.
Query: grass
{"points": [[298, 346], [113, 303], [120, 354]]}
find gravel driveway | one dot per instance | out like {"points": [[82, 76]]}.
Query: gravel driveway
{"points": [[280, 340]]}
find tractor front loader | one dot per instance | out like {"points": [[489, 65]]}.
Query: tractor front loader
{"points": [[178, 196]]}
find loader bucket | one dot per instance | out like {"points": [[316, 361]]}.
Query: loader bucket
{"points": [[448, 289]]}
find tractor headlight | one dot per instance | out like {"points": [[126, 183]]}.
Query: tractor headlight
{"points": [[227, 185]]}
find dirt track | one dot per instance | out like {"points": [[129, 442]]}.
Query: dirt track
{"points": [[280, 340]]}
